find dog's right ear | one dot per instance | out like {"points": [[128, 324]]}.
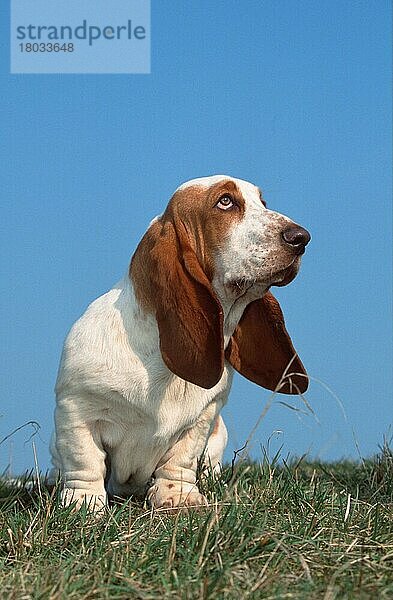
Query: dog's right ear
{"points": [[170, 283]]}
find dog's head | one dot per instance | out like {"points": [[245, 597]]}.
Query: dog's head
{"points": [[217, 244]]}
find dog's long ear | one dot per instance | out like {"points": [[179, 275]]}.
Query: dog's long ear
{"points": [[261, 349], [170, 282]]}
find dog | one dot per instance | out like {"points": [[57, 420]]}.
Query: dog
{"points": [[146, 370]]}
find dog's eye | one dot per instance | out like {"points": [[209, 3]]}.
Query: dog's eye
{"points": [[225, 203]]}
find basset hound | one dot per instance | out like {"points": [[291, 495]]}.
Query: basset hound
{"points": [[146, 370]]}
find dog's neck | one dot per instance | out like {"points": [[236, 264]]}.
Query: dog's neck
{"points": [[234, 302], [143, 329]]}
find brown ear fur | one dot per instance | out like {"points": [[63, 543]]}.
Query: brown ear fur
{"points": [[170, 282], [261, 349]]}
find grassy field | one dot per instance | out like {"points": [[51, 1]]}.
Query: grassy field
{"points": [[298, 530]]}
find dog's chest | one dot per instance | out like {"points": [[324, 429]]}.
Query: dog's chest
{"points": [[164, 405], [182, 404], [143, 424]]}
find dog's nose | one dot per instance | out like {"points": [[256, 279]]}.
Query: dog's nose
{"points": [[297, 237]]}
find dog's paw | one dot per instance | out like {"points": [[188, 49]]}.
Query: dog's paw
{"points": [[94, 503], [172, 495]]}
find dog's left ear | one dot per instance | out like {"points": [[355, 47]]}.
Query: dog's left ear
{"points": [[261, 349]]}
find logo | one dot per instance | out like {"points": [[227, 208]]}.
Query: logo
{"points": [[93, 36]]}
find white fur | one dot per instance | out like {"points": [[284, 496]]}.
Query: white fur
{"points": [[203, 181], [116, 398], [213, 179], [115, 395], [252, 254]]}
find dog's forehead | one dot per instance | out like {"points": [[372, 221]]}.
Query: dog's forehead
{"points": [[250, 192]]}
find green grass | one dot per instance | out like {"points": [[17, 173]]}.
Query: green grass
{"points": [[299, 530]]}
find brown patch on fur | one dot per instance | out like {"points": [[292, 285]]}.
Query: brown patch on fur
{"points": [[216, 426], [261, 349], [206, 225], [170, 283], [172, 270], [171, 485]]}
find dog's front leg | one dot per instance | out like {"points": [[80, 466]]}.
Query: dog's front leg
{"points": [[175, 475], [79, 456]]}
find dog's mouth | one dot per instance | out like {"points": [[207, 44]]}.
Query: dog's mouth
{"points": [[287, 275], [279, 278]]}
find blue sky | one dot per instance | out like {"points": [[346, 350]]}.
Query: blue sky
{"points": [[294, 96]]}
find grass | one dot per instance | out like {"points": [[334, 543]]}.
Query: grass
{"points": [[299, 530]]}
